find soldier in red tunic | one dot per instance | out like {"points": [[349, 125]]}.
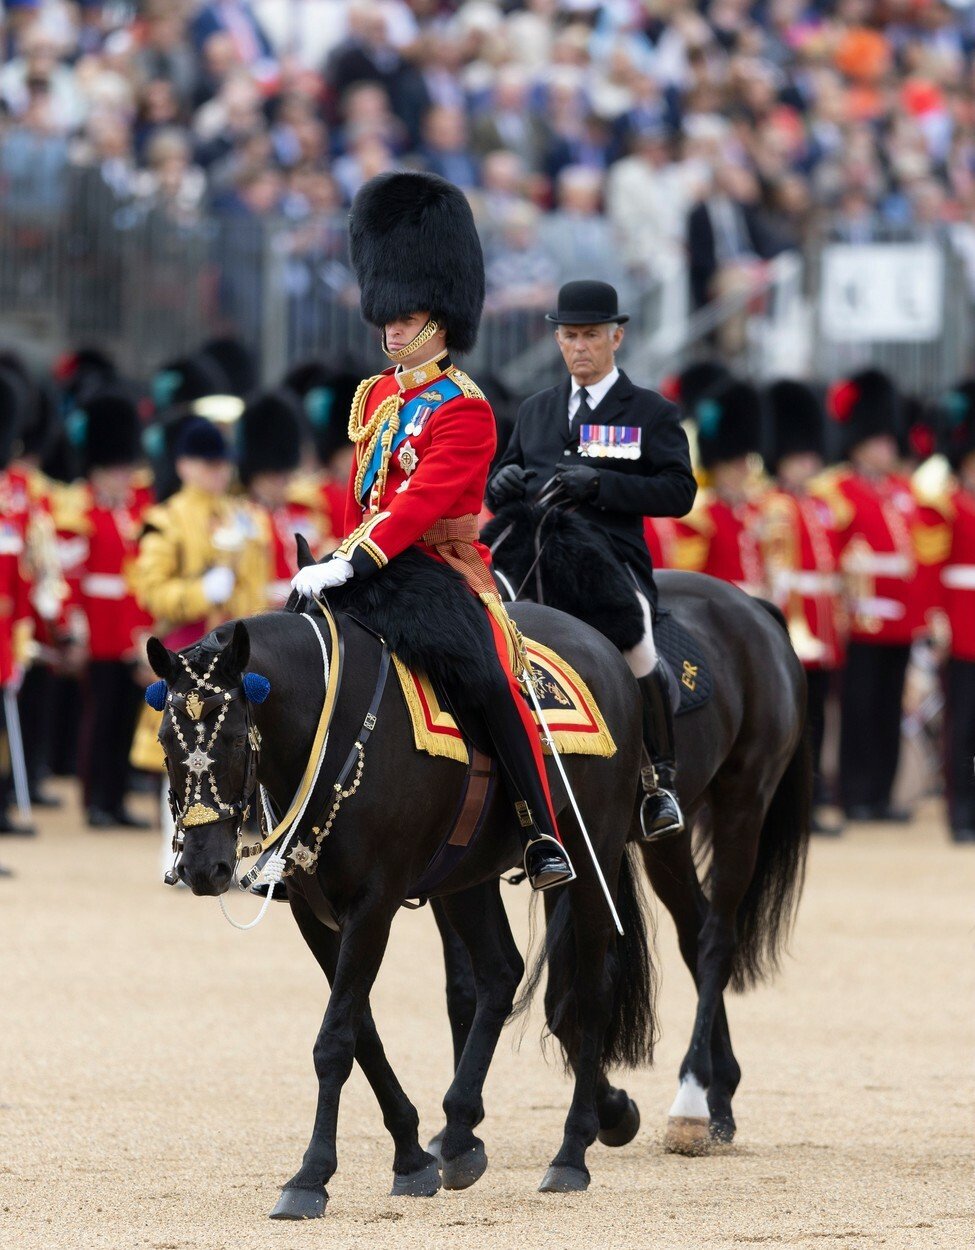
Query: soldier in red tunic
{"points": [[425, 438], [102, 531], [800, 548], [957, 599], [720, 534], [15, 586], [879, 527]]}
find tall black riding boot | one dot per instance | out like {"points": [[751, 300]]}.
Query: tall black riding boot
{"points": [[660, 814], [547, 862]]}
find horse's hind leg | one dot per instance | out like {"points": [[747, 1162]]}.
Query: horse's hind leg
{"points": [[709, 1073], [415, 1172], [461, 999], [479, 919]]}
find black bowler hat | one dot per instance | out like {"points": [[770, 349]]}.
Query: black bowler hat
{"points": [[587, 303]]}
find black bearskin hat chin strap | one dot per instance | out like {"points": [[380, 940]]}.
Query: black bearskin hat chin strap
{"points": [[425, 335]]}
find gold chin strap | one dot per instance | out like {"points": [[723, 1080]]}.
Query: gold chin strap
{"points": [[425, 335]]}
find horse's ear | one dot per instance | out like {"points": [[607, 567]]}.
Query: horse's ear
{"points": [[305, 556], [161, 660], [237, 652]]}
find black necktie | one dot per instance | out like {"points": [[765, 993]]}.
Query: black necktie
{"points": [[582, 414]]}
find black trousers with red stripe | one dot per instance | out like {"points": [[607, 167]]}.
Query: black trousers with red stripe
{"points": [[959, 680], [870, 721]]}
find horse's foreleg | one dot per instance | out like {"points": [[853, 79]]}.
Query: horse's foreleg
{"points": [[478, 917], [415, 1172], [362, 945]]}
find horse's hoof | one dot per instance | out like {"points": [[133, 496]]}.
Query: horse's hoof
{"points": [[564, 1180], [435, 1146], [462, 1172], [687, 1135], [625, 1129], [300, 1204], [723, 1129], [422, 1184]]}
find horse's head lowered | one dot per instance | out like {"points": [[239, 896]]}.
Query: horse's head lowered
{"points": [[212, 748]]}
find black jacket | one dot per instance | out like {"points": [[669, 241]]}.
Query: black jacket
{"points": [[660, 483]]}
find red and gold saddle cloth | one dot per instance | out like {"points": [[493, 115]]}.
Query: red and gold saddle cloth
{"points": [[573, 718]]}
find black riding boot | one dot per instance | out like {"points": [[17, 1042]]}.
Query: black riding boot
{"points": [[660, 814], [547, 862]]}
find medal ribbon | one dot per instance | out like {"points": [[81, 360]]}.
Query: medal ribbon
{"points": [[445, 388]]}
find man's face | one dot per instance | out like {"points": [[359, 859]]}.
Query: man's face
{"points": [[211, 476], [877, 456], [270, 488], [404, 330], [795, 472], [588, 351]]}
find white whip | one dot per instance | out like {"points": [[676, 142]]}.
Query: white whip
{"points": [[572, 799]]}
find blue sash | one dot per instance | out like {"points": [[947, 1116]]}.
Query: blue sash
{"points": [[412, 418]]}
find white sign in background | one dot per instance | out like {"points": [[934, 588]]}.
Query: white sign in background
{"points": [[881, 292]]}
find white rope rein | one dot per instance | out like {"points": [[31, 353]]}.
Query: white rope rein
{"points": [[273, 871]]}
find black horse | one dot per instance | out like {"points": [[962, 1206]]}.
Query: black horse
{"points": [[599, 995], [745, 785]]}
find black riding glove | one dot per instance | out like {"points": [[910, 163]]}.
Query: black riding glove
{"points": [[580, 483], [509, 484]]}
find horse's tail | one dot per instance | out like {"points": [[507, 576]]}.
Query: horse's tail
{"points": [[632, 1030], [768, 910]]}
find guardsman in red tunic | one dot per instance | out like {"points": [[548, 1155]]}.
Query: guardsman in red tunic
{"points": [[800, 548], [881, 535], [957, 601], [425, 438], [15, 587], [326, 395], [105, 523], [268, 458], [720, 534]]}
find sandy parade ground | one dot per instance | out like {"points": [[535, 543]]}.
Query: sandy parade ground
{"points": [[156, 1084]]}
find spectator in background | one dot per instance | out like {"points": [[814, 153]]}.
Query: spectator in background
{"points": [[578, 236], [40, 71], [172, 186], [33, 163], [445, 149], [235, 18], [508, 121], [725, 237], [166, 54], [521, 275]]}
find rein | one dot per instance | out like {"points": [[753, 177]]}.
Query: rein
{"points": [[548, 501]]}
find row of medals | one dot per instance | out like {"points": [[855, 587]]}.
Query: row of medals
{"points": [[600, 451]]}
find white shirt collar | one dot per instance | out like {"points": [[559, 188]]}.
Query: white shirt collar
{"points": [[597, 392]]}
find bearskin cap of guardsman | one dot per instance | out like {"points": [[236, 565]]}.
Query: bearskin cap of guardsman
{"points": [[269, 435], [729, 424], [414, 248], [956, 422], [107, 429], [796, 421], [866, 405], [14, 400]]}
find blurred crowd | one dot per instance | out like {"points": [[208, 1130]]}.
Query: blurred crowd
{"points": [[170, 504], [637, 139]]}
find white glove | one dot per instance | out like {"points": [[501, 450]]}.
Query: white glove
{"points": [[218, 584], [314, 578]]}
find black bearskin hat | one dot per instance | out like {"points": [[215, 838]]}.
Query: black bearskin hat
{"points": [[414, 247], [729, 424], [957, 424], [110, 433], [919, 429], [694, 382], [14, 399], [269, 435], [181, 382], [237, 362], [866, 405], [81, 372], [797, 423]]}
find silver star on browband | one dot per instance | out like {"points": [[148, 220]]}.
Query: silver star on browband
{"points": [[199, 762]]}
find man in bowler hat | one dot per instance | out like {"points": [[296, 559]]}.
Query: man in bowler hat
{"points": [[618, 451]]}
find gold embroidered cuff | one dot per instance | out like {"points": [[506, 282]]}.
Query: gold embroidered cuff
{"points": [[359, 540]]}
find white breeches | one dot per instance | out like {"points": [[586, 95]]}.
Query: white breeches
{"points": [[642, 659]]}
